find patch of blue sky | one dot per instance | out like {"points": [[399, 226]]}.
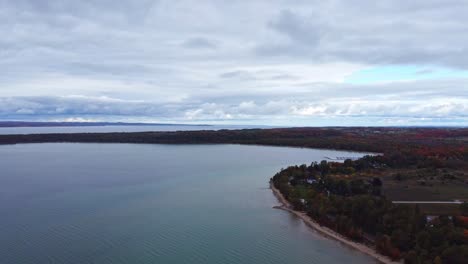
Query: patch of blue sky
{"points": [[382, 74]]}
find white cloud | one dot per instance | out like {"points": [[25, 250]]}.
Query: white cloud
{"points": [[228, 60]]}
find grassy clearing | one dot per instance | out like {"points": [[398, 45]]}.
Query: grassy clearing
{"points": [[407, 191]]}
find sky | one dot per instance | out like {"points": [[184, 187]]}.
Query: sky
{"points": [[268, 62]]}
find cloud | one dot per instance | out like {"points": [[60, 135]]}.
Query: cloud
{"points": [[233, 61], [326, 103], [246, 75], [199, 43], [388, 32], [424, 71], [307, 31], [76, 105]]}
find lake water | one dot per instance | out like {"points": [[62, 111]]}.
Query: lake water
{"points": [[117, 128], [124, 203]]}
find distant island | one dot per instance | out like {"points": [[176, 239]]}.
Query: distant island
{"points": [[408, 202]]}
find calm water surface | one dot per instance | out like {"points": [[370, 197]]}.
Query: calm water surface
{"points": [[115, 128], [124, 203]]}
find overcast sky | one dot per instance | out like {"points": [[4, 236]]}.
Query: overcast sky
{"points": [[272, 62]]}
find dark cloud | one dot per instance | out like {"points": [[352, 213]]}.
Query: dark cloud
{"points": [[387, 32], [307, 31], [199, 43], [246, 75], [79, 105]]}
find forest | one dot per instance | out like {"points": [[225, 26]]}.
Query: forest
{"points": [[401, 147], [445, 143], [331, 194]]}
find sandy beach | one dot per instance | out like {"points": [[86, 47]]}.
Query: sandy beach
{"points": [[328, 232]]}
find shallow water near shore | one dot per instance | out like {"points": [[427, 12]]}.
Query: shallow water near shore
{"points": [[126, 203]]}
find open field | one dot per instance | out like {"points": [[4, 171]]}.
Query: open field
{"points": [[409, 192], [438, 209]]}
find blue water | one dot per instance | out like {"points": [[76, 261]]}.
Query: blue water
{"points": [[124, 203]]}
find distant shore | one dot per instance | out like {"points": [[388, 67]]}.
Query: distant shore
{"points": [[285, 205]]}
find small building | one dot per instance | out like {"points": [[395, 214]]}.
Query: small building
{"points": [[430, 218], [311, 180]]}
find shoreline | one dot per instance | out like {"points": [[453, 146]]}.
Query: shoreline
{"points": [[327, 232]]}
